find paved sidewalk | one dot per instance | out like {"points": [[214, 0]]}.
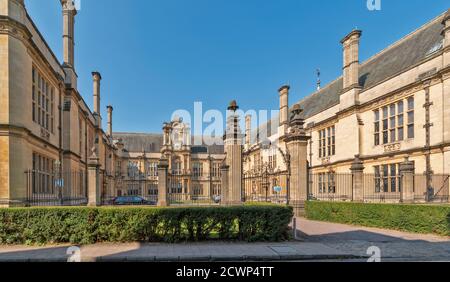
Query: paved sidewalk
{"points": [[394, 245], [318, 241], [217, 251]]}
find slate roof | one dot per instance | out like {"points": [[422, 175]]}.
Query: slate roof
{"points": [[393, 60], [152, 143]]}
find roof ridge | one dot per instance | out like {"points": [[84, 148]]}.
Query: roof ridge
{"points": [[404, 38], [328, 85]]}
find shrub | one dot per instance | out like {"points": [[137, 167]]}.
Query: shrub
{"points": [[85, 225], [411, 218]]}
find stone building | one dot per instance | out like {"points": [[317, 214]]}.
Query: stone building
{"points": [[45, 125], [393, 106], [194, 170]]}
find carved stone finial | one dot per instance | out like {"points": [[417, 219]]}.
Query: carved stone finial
{"points": [[233, 106], [296, 109]]}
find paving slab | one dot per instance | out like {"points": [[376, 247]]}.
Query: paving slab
{"points": [[217, 251]]}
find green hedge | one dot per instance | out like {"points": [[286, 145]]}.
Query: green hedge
{"points": [[90, 225], [411, 218]]}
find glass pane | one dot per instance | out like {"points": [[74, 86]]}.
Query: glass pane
{"points": [[400, 134], [392, 122], [411, 117], [392, 110], [400, 107], [393, 135], [385, 112], [377, 115], [400, 120], [411, 103], [410, 131]]}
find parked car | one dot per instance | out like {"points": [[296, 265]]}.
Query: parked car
{"points": [[131, 200]]}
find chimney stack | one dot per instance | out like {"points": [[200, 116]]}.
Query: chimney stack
{"points": [[350, 44], [110, 112], [248, 130], [284, 110], [69, 13], [446, 34], [97, 77]]}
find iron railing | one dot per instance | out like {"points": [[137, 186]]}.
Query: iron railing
{"points": [[266, 186], [55, 189], [330, 187]]}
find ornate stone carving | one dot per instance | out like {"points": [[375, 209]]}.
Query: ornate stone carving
{"points": [[392, 148]]}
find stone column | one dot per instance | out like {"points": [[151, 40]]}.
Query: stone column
{"points": [[358, 179], [109, 129], [350, 44], [96, 78], [69, 13], [284, 110], [233, 150], [407, 173], [94, 181], [163, 184], [248, 131], [297, 143], [224, 184]]}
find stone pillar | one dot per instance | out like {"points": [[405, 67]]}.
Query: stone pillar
{"points": [[350, 44], [446, 34], [96, 78], [69, 13], [407, 174], [163, 183], [297, 143], [284, 110], [233, 150], [224, 184], [110, 112], [358, 179], [248, 131], [94, 181]]}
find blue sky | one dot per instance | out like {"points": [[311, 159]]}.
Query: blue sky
{"points": [[157, 56]]}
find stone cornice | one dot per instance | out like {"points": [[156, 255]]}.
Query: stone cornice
{"points": [[22, 132], [14, 28], [350, 35], [409, 152]]}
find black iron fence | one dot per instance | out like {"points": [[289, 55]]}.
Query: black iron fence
{"points": [[382, 189], [378, 188], [331, 187], [55, 189], [140, 191], [436, 188], [266, 186], [184, 190]]}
